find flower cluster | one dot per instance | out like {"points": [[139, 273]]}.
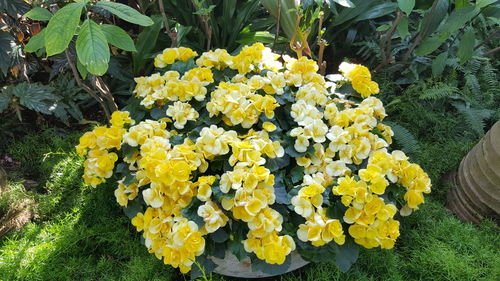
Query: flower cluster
{"points": [[257, 157]]}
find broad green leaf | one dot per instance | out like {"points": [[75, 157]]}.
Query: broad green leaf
{"points": [[466, 46], [61, 28], [39, 14], [126, 13], [36, 42], [191, 212], [92, 48], [406, 6], [35, 96], [347, 255], [402, 28], [438, 64], [133, 208], [457, 20], [428, 46], [219, 236], [378, 11], [434, 16], [118, 37], [483, 3], [262, 266]]}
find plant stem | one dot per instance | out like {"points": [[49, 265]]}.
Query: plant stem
{"points": [[277, 26], [170, 33]]}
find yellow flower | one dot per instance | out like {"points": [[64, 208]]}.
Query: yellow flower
{"points": [[120, 118], [360, 78], [181, 113], [213, 217], [268, 126]]}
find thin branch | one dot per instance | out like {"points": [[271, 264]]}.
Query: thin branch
{"points": [[170, 33], [491, 52], [84, 86], [385, 43], [277, 25], [104, 90]]}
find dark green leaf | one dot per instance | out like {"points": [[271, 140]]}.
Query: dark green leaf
{"points": [[402, 28], [438, 64], [34, 96], [92, 48], [274, 164], [433, 17], [428, 46], [377, 11], [297, 174], [36, 42], [81, 69], [191, 212], [219, 236], [347, 255], [118, 37], [280, 189], [202, 266], [126, 13], [316, 254], [39, 14], [133, 208], [14, 7], [457, 20], [145, 43], [238, 230], [461, 3], [274, 269], [5, 50], [466, 46], [62, 27], [345, 3], [4, 101], [158, 112]]}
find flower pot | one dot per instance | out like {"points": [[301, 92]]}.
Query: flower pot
{"points": [[477, 181], [231, 266]]}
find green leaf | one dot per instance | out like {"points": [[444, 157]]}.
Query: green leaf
{"points": [[92, 48], [383, 27], [402, 28], [133, 208], [461, 3], [274, 164], [81, 69], [6, 40], [4, 101], [203, 266], [347, 255], [14, 7], [428, 46], [126, 13], [158, 112], [62, 27], [378, 11], [191, 212], [316, 254], [36, 42], [438, 64], [345, 3], [297, 174], [274, 269], [434, 16], [145, 43], [39, 14], [35, 96], [219, 236], [483, 3], [238, 233], [280, 189], [457, 20], [466, 46], [406, 6], [118, 37]]}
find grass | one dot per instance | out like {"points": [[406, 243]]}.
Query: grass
{"points": [[80, 233]]}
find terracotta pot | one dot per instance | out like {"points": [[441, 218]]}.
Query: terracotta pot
{"points": [[231, 266], [477, 181]]}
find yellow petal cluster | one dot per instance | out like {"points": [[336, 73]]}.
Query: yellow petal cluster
{"points": [[171, 55], [360, 78]]}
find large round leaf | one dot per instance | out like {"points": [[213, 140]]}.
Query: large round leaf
{"points": [[92, 48], [118, 37]]}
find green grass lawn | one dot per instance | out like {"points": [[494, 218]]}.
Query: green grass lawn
{"points": [[80, 232]]}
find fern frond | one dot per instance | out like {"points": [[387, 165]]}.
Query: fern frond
{"points": [[475, 118], [404, 138], [438, 92], [472, 83]]}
